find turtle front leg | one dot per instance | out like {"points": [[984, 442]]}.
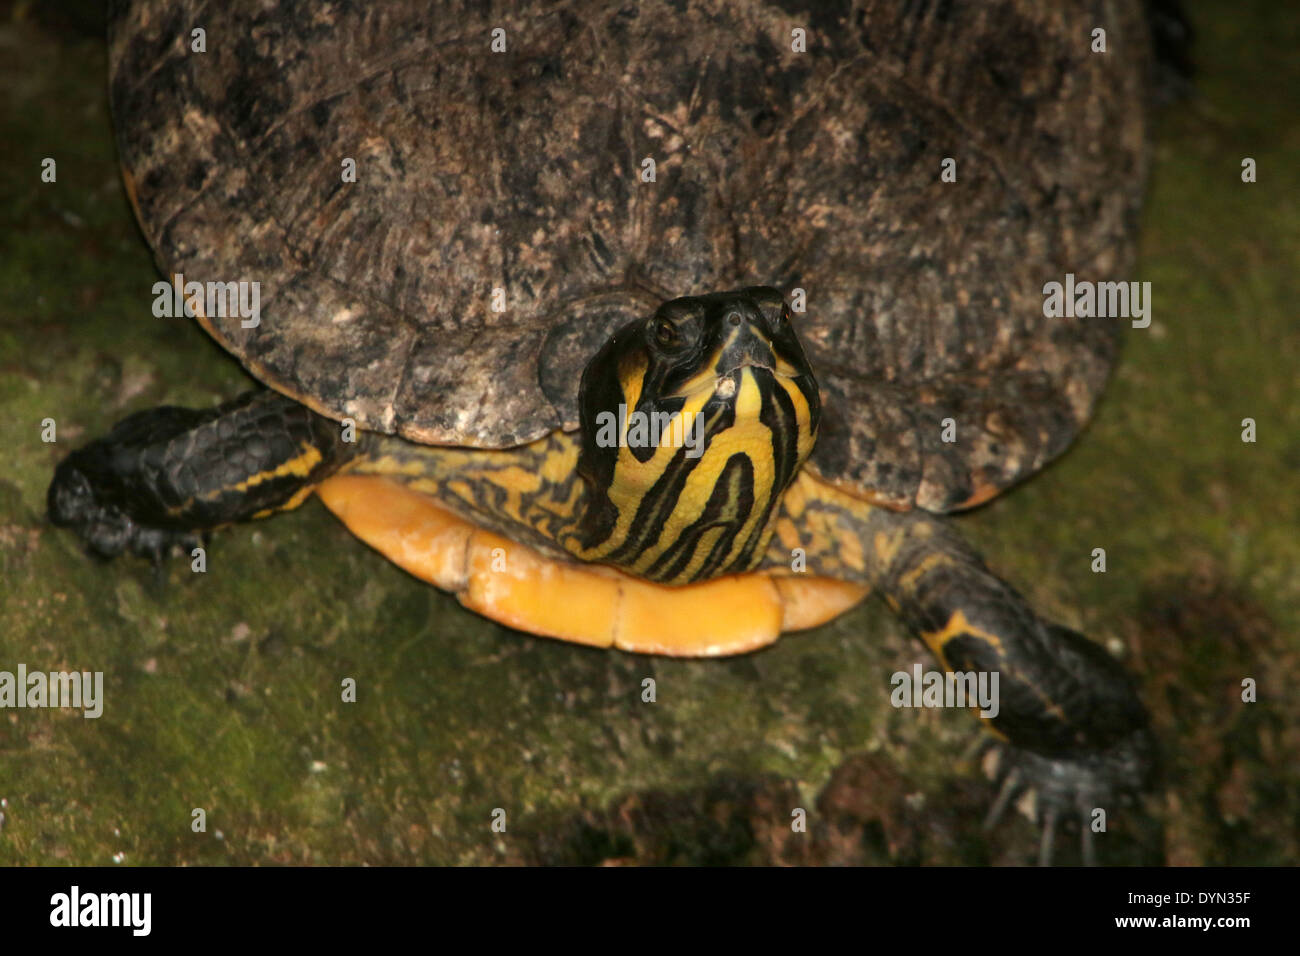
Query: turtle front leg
{"points": [[1068, 717], [164, 476]]}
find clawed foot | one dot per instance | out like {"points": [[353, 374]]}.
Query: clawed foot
{"points": [[1065, 790], [105, 527]]}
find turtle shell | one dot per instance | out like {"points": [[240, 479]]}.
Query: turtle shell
{"points": [[512, 207]]}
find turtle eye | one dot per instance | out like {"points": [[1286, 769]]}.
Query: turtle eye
{"points": [[665, 333]]}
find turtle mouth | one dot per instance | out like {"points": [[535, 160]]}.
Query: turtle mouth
{"points": [[728, 383], [725, 384], [749, 363]]}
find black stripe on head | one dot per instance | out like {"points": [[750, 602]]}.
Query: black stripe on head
{"points": [[602, 390], [659, 502], [729, 506]]}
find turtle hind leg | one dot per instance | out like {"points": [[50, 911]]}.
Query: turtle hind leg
{"points": [[1070, 727], [163, 477], [1072, 734]]}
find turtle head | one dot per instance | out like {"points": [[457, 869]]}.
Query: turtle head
{"points": [[694, 422]]}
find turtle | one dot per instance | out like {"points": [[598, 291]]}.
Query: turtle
{"points": [[659, 326]]}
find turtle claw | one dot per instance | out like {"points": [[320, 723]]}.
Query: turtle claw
{"points": [[158, 545], [1012, 785], [106, 527], [1087, 847], [980, 745], [1068, 790], [1045, 845]]}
